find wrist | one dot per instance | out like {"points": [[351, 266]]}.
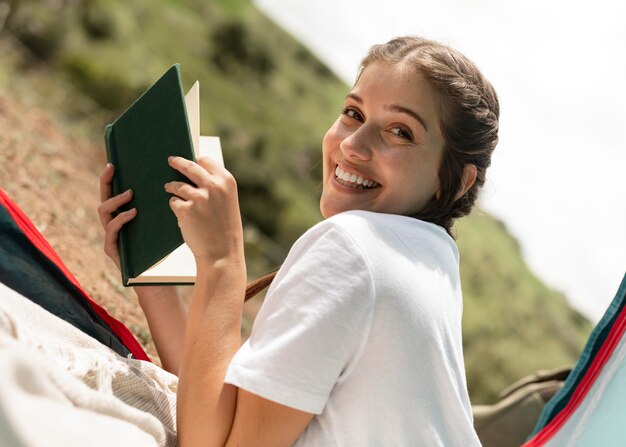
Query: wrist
{"points": [[226, 263], [224, 279]]}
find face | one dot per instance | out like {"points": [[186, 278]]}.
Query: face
{"points": [[384, 151]]}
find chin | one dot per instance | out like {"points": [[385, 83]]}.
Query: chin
{"points": [[328, 211]]}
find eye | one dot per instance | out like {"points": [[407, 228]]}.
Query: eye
{"points": [[402, 133], [352, 114]]}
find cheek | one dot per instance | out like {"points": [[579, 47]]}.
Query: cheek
{"points": [[415, 186], [326, 143], [330, 143], [332, 137]]}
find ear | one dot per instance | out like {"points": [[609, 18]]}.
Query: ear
{"points": [[469, 177]]}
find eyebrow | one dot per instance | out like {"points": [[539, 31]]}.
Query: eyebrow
{"points": [[395, 108]]}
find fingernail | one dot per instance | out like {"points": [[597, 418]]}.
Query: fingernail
{"points": [[170, 158], [128, 192]]}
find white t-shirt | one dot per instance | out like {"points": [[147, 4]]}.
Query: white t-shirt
{"points": [[362, 327]]}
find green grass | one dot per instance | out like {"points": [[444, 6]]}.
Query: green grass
{"points": [[513, 324]]}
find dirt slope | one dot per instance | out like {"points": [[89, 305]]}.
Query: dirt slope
{"points": [[53, 177]]}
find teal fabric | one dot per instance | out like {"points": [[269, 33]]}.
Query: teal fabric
{"points": [[594, 344], [606, 428]]}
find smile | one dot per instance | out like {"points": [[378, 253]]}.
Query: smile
{"points": [[353, 181]]}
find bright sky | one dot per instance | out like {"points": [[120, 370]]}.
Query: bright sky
{"points": [[559, 68]]}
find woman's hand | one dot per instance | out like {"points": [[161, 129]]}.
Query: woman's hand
{"points": [[107, 210], [208, 213], [164, 310]]}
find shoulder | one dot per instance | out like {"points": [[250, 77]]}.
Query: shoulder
{"points": [[332, 240], [330, 256], [371, 232], [326, 275], [369, 221], [366, 244]]}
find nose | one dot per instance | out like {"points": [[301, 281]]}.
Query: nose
{"points": [[359, 144]]}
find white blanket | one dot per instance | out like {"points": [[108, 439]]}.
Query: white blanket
{"points": [[60, 387]]}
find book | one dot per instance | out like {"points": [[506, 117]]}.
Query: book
{"points": [[162, 122]]}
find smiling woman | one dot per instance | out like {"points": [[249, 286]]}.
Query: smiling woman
{"points": [[382, 135], [358, 341]]}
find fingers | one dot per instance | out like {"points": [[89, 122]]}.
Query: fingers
{"points": [[184, 197], [207, 174], [111, 234], [183, 190], [107, 209], [115, 225], [105, 182], [199, 173], [109, 205], [189, 169], [218, 172], [209, 164], [178, 205]]}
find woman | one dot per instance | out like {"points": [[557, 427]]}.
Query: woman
{"points": [[358, 341]]}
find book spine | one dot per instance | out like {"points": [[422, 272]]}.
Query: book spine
{"points": [[125, 266], [186, 112]]}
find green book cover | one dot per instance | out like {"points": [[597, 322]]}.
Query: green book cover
{"points": [[138, 144]]}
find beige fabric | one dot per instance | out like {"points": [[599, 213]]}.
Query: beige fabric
{"points": [[59, 386], [510, 421]]}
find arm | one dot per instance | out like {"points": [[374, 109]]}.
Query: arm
{"points": [[211, 412], [162, 306], [167, 318]]}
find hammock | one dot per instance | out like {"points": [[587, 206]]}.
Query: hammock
{"points": [[31, 267], [71, 374], [589, 408]]}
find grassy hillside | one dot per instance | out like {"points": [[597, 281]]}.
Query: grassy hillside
{"points": [[513, 324], [270, 101], [255, 85]]}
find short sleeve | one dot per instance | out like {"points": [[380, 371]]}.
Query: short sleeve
{"points": [[313, 324]]}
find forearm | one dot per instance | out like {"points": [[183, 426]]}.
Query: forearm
{"points": [[206, 406], [167, 318]]}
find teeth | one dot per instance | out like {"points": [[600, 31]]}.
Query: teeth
{"points": [[354, 179]]}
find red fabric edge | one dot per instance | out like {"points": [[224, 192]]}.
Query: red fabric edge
{"points": [[39, 241], [601, 358]]}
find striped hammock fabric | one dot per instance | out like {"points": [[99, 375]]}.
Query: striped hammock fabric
{"points": [[590, 409], [31, 267]]}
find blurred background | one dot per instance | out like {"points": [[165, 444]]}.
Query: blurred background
{"points": [[273, 75]]}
